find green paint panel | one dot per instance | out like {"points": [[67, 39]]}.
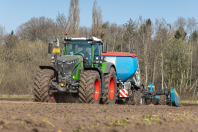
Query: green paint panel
{"points": [[64, 50], [77, 72], [78, 65], [104, 64], [92, 54]]}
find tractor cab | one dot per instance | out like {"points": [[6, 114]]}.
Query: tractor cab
{"points": [[88, 48]]}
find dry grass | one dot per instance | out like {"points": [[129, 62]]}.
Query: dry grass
{"points": [[20, 65]]}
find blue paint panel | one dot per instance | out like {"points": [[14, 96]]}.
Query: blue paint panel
{"points": [[157, 97], [151, 87], [175, 98], [126, 67]]}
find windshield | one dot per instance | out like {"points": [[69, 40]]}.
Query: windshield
{"points": [[79, 48], [83, 48]]}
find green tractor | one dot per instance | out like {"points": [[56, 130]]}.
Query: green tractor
{"points": [[81, 70]]}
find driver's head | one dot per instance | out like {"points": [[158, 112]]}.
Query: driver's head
{"points": [[84, 48]]}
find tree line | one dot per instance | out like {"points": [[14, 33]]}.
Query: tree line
{"points": [[166, 51]]}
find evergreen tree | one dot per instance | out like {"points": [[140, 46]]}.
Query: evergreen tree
{"points": [[194, 36], [12, 33], [178, 34]]}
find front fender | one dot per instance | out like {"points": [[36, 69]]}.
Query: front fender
{"points": [[51, 68], [47, 67]]}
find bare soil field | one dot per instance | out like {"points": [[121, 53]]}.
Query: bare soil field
{"points": [[26, 115]]}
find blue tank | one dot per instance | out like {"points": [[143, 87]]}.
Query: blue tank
{"points": [[126, 67], [126, 64]]}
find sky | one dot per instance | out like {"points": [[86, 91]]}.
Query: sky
{"points": [[13, 13]]}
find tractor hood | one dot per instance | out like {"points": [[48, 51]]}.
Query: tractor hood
{"points": [[67, 59], [65, 65]]}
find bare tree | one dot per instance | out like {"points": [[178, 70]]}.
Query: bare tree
{"points": [[74, 18], [96, 20], [191, 26], [144, 33], [37, 29], [61, 24], [84, 31], [2, 35], [162, 40]]}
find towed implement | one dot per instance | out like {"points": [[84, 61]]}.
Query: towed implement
{"points": [[132, 92], [87, 71], [166, 96]]}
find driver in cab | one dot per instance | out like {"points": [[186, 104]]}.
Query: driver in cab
{"points": [[84, 52]]}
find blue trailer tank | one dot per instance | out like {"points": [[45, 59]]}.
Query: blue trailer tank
{"points": [[126, 64]]}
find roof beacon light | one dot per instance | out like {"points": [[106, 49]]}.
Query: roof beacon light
{"points": [[66, 35], [102, 36]]}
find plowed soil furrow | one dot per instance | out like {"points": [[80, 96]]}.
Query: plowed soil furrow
{"points": [[21, 116]]}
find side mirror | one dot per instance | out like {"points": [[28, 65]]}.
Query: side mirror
{"points": [[104, 48], [50, 48]]}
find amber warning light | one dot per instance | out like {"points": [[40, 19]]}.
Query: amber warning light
{"points": [[65, 33]]}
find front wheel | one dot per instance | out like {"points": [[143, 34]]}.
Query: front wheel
{"points": [[41, 86], [90, 87]]}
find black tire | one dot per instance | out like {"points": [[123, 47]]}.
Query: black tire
{"points": [[141, 90], [137, 99], [90, 87], [162, 100], [110, 97], [129, 100], [37, 88], [148, 101], [155, 101], [82, 87], [41, 85]]}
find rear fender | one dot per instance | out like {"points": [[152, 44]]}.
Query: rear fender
{"points": [[108, 66]]}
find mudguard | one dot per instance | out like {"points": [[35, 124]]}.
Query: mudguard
{"points": [[108, 66], [51, 68], [47, 67]]}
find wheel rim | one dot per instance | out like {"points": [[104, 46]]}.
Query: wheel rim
{"points": [[111, 88], [97, 89]]}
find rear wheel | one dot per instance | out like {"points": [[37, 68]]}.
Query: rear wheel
{"points": [[155, 101], [137, 99], [148, 101], [110, 87], [130, 99], [162, 100], [41, 86], [90, 87]]}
